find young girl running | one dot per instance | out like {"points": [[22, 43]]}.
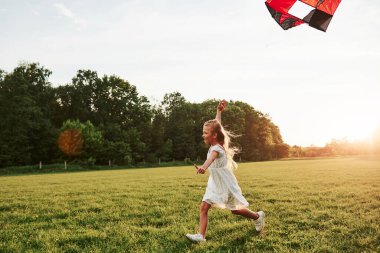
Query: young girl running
{"points": [[222, 189]]}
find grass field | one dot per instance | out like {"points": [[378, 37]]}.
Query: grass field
{"points": [[321, 205]]}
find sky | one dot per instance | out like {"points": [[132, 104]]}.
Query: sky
{"points": [[315, 86]]}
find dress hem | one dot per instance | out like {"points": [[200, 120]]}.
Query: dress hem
{"points": [[224, 206]]}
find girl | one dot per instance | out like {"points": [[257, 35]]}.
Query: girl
{"points": [[222, 189]]}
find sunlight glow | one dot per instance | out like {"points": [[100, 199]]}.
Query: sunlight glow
{"points": [[357, 130]]}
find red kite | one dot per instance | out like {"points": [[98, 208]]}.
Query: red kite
{"points": [[318, 15]]}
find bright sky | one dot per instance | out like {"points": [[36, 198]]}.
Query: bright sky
{"points": [[316, 86]]}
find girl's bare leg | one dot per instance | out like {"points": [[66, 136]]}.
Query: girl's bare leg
{"points": [[246, 213], [203, 218]]}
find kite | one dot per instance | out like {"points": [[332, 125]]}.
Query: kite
{"points": [[290, 13]]}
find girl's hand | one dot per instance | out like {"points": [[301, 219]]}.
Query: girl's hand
{"points": [[222, 105], [200, 170]]}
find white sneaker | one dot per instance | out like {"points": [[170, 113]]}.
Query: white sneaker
{"points": [[260, 223], [195, 237]]}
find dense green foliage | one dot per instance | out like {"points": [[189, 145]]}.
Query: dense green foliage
{"points": [[329, 205], [124, 128], [91, 139]]}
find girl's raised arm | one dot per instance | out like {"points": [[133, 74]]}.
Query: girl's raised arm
{"points": [[221, 106]]}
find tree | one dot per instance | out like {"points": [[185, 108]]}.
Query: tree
{"points": [[88, 140], [180, 126], [160, 148], [26, 133], [295, 151], [281, 150], [131, 131], [171, 102], [115, 147], [112, 104]]}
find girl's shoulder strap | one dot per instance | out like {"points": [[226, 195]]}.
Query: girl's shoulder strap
{"points": [[219, 147]]}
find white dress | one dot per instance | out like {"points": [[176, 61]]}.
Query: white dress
{"points": [[222, 189]]}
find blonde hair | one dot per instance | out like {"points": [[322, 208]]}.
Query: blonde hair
{"points": [[222, 136]]}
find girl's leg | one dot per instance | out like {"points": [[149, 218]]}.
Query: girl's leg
{"points": [[203, 218], [246, 213]]}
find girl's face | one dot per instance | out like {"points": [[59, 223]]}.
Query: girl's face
{"points": [[208, 135]]}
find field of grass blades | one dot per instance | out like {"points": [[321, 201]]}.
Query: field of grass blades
{"points": [[317, 205]]}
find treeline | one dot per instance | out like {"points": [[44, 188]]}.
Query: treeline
{"points": [[118, 124], [341, 147]]}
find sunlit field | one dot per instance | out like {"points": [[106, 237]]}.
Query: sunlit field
{"points": [[321, 205]]}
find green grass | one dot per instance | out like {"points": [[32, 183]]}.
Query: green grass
{"points": [[322, 205]]}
